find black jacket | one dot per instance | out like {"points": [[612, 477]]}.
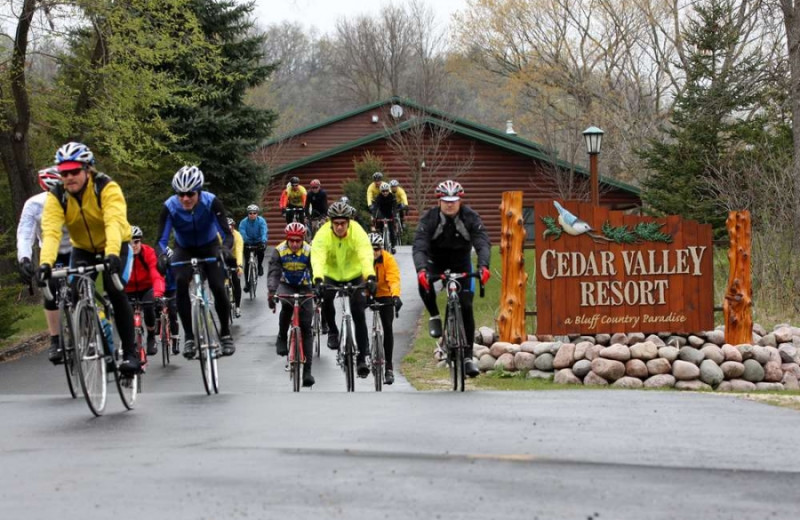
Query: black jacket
{"points": [[445, 243], [317, 203]]}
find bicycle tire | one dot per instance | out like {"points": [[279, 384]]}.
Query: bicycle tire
{"points": [[201, 341], [457, 343], [295, 344], [349, 358], [67, 345], [164, 335], [317, 331], [378, 360], [387, 237], [253, 272], [127, 386], [214, 337], [91, 363]]}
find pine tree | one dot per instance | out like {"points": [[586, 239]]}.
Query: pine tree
{"points": [[222, 133], [720, 86]]}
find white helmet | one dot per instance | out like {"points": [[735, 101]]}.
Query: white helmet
{"points": [[74, 152], [188, 178], [136, 232], [394, 183], [252, 208], [49, 177], [385, 186]]}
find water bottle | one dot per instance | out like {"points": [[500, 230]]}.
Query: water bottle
{"points": [[109, 333]]}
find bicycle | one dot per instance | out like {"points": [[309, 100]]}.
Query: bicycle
{"points": [[139, 333], [454, 339], [230, 272], [386, 232], [295, 214], [314, 223], [206, 336], [165, 329], [66, 338], [377, 354], [398, 228], [94, 340], [251, 279], [346, 356], [316, 327], [295, 336]]}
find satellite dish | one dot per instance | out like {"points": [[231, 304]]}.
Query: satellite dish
{"points": [[396, 111]]}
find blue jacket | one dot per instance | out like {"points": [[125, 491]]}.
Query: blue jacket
{"points": [[195, 228], [253, 231]]}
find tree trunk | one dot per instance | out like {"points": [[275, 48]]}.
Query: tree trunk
{"points": [[791, 20], [511, 323], [17, 117], [738, 304]]}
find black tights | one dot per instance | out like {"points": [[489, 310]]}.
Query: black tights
{"points": [[216, 282]]}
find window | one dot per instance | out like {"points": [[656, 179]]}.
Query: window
{"points": [[528, 222]]}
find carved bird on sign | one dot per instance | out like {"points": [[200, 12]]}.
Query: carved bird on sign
{"points": [[570, 223]]}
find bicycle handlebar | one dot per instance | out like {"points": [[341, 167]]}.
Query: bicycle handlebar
{"points": [[81, 270], [448, 276], [377, 305], [194, 261]]}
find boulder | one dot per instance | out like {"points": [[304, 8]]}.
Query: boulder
{"points": [[773, 372], [635, 337], [759, 329], [564, 356], [769, 386], [608, 369], [724, 386], [732, 369], [505, 362], [788, 353], [582, 367], [487, 336], [636, 368], [658, 366], [486, 363], [793, 368], [479, 351], [619, 337], [617, 352], [669, 353], [695, 341], [676, 341], [710, 372], [768, 340], [580, 350], [593, 351], [602, 339], [499, 348], [593, 379], [691, 354], [544, 362], [717, 337], [645, 350], [685, 370], [660, 381], [713, 352], [628, 382], [528, 346], [693, 385], [760, 354], [746, 351], [566, 377], [657, 341], [790, 382], [753, 371], [731, 353], [545, 347], [524, 360], [783, 334], [532, 337]]}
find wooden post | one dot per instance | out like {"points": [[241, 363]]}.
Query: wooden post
{"points": [[738, 304], [511, 323]]}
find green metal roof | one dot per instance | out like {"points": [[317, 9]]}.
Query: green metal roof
{"points": [[477, 132]]}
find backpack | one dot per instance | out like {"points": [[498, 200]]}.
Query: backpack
{"points": [[101, 180]]}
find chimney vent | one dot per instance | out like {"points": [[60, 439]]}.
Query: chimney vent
{"points": [[510, 128]]}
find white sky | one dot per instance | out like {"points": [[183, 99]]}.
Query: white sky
{"points": [[323, 14]]}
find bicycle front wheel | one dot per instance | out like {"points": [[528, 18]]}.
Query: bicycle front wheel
{"points": [[200, 326], [295, 345], [378, 360], [253, 279], [164, 335], [67, 343], [317, 330], [349, 357], [89, 356]]}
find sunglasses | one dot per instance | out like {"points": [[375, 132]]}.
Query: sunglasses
{"points": [[136, 241], [186, 194], [252, 212], [72, 173], [384, 191], [294, 240], [339, 223]]}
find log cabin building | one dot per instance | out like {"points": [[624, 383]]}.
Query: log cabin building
{"points": [[420, 147]]}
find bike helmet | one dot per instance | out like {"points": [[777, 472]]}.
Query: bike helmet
{"points": [[376, 240], [449, 191], [377, 176], [72, 156], [188, 178], [345, 199], [252, 207], [340, 209], [385, 186], [315, 183], [49, 177], [136, 232], [394, 183], [294, 181], [231, 222], [295, 229]]}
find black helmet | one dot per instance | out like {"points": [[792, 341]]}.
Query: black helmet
{"points": [[294, 181], [377, 176], [340, 209]]}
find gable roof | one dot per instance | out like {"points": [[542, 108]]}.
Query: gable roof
{"points": [[462, 126]]}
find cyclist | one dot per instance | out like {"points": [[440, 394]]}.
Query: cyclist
{"points": [[402, 199], [253, 229], [197, 217], [30, 228], [388, 292], [374, 188], [341, 253], [384, 206], [94, 211], [293, 199], [316, 202], [237, 263], [145, 284], [170, 288], [289, 273], [444, 239]]}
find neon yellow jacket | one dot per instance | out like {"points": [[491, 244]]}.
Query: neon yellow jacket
{"points": [[372, 192], [90, 227], [400, 195], [341, 259], [238, 248]]}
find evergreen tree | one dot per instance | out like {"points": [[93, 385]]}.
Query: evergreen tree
{"points": [[722, 83], [222, 133]]}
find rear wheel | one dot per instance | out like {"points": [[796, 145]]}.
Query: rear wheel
{"points": [[67, 344], [166, 339], [91, 362]]}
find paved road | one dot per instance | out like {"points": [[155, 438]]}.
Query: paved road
{"points": [[259, 451]]}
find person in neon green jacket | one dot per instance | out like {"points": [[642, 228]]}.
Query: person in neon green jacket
{"points": [[341, 253]]}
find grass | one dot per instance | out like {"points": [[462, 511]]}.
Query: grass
{"points": [[32, 322]]}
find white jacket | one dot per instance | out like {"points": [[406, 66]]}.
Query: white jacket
{"points": [[30, 228]]}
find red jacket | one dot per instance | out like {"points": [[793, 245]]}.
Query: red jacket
{"points": [[144, 273]]}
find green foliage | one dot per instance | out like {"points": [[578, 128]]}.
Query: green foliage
{"points": [[552, 228], [356, 189]]}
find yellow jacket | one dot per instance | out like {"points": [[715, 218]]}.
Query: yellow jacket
{"points": [[372, 192], [388, 274], [400, 195], [238, 248], [341, 259], [91, 228]]}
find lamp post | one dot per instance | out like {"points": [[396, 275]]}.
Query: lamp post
{"points": [[593, 137]]}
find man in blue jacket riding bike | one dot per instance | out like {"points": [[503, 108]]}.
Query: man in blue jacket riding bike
{"points": [[253, 229]]}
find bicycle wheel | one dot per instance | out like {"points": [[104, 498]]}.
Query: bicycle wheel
{"points": [[295, 344], [127, 386], [378, 360], [456, 344], [387, 237], [215, 347], [317, 330], [253, 278], [67, 343], [165, 338], [349, 358], [200, 326], [91, 362]]}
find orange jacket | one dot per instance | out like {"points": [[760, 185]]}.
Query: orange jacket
{"points": [[388, 275]]}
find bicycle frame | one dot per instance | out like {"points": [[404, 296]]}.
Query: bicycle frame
{"points": [[296, 214], [295, 335], [377, 351], [164, 328], [346, 357]]}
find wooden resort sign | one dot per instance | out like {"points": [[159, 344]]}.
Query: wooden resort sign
{"points": [[601, 271]]}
